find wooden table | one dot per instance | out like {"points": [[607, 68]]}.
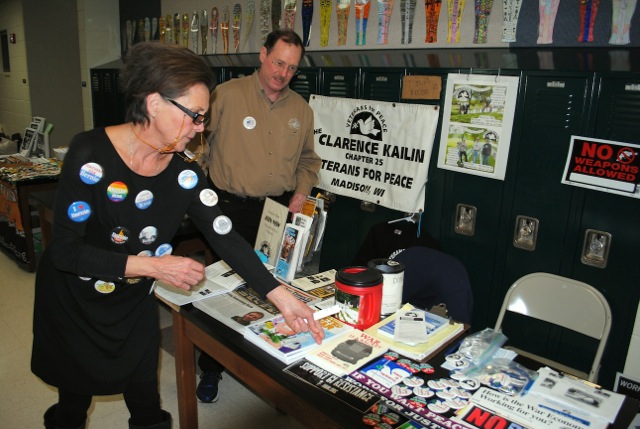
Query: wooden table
{"points": [[255, 368], [263, 374]]}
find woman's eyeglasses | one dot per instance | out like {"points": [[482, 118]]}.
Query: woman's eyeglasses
{"points": [[197, 118]]}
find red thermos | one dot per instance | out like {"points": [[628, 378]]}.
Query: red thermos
{"points": [[359, 295]]}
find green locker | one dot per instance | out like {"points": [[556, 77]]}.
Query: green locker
{"points": [[306, 82], [554, 107], [615, 114]]}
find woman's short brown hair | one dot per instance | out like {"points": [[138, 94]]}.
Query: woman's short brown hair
{"points": [[169, 70]]}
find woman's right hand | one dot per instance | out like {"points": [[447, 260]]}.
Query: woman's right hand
{"points": [[178, 271]]}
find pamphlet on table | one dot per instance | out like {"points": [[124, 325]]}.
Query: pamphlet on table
{"points": [[347, 353], [420, 351]]}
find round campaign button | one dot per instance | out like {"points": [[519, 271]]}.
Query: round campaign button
{"points": [[79, 211], [456, 403], [119, 235], [208, 197], [222, 225], [117, 192], [91, 173], [423, 392], [371, 419], [401, 390], [469, 384], [438, 406], [445, 394], [418, 401], [104, 287], [164, 249], [188, 179], [148, 234], [249, 122], [144, 199], [413, 381], [145, 253], [436, 384]]}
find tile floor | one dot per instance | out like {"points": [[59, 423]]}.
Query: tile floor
{"points": [[25, 397]]}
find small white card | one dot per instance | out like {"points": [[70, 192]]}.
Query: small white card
{"points": [[411, 326]]}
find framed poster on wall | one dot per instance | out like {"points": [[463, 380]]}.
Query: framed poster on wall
{"points": [[477, 121]]}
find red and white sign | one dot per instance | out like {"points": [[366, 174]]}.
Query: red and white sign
{"points": [[603, 165]]}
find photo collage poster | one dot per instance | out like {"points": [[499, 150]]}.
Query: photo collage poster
{"points": [[477, 123]]}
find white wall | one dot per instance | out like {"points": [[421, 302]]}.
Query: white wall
{"points": [[99, 35], [632, 366], [15, 103]]}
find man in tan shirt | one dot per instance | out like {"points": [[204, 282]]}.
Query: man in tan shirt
{"points": [[261, 146], [262, 137]]}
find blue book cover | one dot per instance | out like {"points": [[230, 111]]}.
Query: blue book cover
{"points": [[434, 323]]}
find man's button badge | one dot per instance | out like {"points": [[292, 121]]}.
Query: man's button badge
{"points": [[249, 122]]}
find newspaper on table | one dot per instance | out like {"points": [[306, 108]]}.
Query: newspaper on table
{"points": [[219, 278], [238, 309]]}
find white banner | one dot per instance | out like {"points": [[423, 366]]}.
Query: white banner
{"points": [[374, 151]]}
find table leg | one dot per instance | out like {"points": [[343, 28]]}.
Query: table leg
{"points": [[185, 374]]}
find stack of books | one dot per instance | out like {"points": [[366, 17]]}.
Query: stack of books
{"points": [[442, 332]]}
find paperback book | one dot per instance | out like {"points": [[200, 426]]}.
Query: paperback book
{"points": [[276, 337], [348, 353], [289, 252], [270, 230], [419, 351]]}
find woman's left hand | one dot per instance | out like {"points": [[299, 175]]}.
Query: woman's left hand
{"points": [[298, 315]]}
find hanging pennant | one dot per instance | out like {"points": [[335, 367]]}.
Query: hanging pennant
{"points": [[362, 16], [224, 27], [307, 17], [237, 18], [289, 14], [385, 8], [342, 14], [213, 30], [432, 16]]}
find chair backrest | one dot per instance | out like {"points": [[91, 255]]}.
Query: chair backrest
{"points": [[564, 302], [432, 277]]}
